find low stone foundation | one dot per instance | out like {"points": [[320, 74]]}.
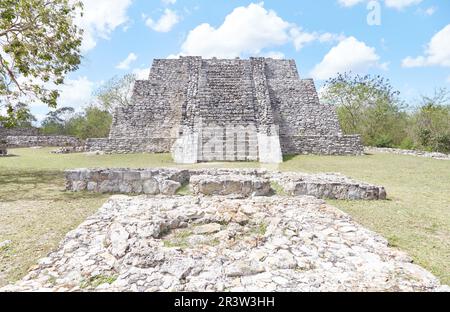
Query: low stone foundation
{"points": [[435, 155], [30, 141], [241, 183], [328, 185], [130, 145], [322, 145], [244, 185]]}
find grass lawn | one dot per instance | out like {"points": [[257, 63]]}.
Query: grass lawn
{"points": [[35, 212]]}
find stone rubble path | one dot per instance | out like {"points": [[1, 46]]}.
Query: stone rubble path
{"points": [[162, 243]]}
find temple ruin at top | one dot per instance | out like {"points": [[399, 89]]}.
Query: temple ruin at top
{"points": [[226, 110]]}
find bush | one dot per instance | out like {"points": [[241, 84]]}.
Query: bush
{"points": [[407, 143], [383, 140]]}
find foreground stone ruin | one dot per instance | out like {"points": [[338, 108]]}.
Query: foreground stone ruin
{"points": [[187, 243], [241, 183]]}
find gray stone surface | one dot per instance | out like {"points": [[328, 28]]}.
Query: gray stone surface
{"points": [[226, 110], [41, 140], [237, 182], [4, 132], [435, 155], [233, 184], [328, 185], [202, 244]]}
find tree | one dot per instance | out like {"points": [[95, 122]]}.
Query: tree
{"points": [[116, 92], [367, 105], [40, 44], [94, 123], [55, 122], [430, 127], [25, 118]]}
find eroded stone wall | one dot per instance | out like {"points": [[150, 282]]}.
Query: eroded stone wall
{"points": [[130, 145], [322, 145], [4, 132], [41, 140]]}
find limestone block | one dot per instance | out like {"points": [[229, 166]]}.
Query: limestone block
{"points": [[150, 187], [169, 187], [230, 185]]}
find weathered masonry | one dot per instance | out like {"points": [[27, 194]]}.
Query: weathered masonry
{"points": [[226, 110]]}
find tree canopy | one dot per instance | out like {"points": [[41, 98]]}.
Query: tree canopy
{"points": [[40, 44], [116, 92], [367, 105]]}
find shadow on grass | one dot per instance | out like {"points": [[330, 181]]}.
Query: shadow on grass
{"points": [[38, 185], [30, 177], [288, 157]]}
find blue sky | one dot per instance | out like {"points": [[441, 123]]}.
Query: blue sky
{"points": [[409, 43]]}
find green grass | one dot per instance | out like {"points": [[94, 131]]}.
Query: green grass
{"points": [[277, 189], [178, 239], [97, 280], [35, 212]]}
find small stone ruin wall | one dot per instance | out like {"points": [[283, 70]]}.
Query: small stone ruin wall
{"points": [[30, 141], [5, 132], [322, 145], [223, 182], [130, 145]]}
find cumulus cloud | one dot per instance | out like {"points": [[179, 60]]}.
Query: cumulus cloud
{"points": [[349, 55], [437, 52], [125, 64], [274, 54], [100, 18], [430, 11], [349, 3], [246, 31], [75, 93], [395, 4], [141, 73], [165, 23], [401, 4]]}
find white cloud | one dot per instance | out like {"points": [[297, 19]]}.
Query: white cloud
{"points": [[437, 52], [448, 79], [100, 18], [401, 4], [165, 23], [274, 54], [349, 3], [246, 30], [141, 73], [349, 55], [168, 2], [125, 64], [430, 11], [75, 93], [395, 4]]}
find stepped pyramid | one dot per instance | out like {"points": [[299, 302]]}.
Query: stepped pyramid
{"points": [[226, 110]]}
